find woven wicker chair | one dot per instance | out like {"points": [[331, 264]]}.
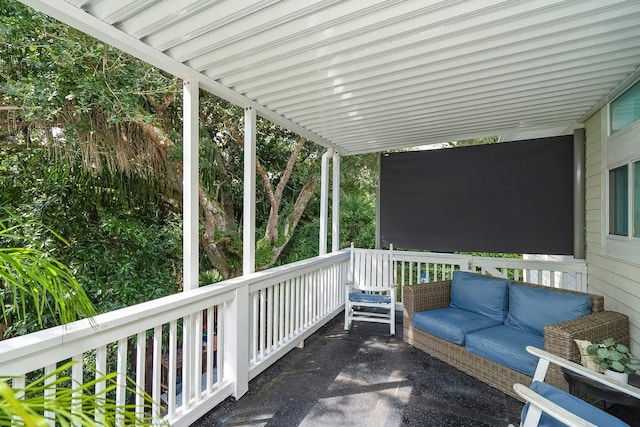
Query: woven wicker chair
{"points": [[558, 338], [371, 289]]}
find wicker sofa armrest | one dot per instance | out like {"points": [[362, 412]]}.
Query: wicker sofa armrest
{"points": [[425, 296], [558, 338]]}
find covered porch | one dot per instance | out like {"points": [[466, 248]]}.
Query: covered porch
{"points": [[355, 77]]}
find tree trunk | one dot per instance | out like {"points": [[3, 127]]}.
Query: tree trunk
{"points": [[291, 222]]}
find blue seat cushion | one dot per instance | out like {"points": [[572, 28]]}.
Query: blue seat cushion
{"points": [[450, 323], [571, 404], [484, 295], [531, 309], [506, 345], [369, 298]]}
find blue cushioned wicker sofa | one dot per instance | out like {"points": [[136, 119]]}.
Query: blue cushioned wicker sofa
{"points": [[482, 325]]}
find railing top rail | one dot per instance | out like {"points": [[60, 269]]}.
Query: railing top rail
{"points": [[441, 257], [299, 267], [87, 334], [572, 266]]}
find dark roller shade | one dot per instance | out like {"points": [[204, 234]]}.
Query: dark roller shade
{"points": [[514, 197]]}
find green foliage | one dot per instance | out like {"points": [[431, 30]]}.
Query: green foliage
{"points": [[304, 243], [357, 220], [30, 407], [124, 251], [36, 286], [614, 356], [357, 211], [209, 277], [264, 252], [476, 141], [359, 174], [125, 260], [58, 70]]}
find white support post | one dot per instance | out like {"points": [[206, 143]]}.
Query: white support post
{"points": [[190, 184], [249, 199], [335, 210], [236, 344], [324, 201]]}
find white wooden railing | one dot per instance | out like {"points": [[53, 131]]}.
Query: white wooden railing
{"points": [[425, 267], [192, 350]]}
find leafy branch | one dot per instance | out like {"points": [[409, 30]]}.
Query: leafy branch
{"points": [[76, 405], [32, 278]]}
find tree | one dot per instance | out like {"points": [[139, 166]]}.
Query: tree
{"points": [[119, 126]]}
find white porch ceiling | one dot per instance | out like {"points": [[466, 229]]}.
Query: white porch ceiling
{"points": [[372, 75]]}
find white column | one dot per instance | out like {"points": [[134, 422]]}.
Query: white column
{"points": [[190, 184], [335, 209], [324, 201], [249, 199], [236, 345]]}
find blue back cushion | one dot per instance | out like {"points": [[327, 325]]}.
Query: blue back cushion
{"points": [[531, 309], [571, 404], [480, 294]]}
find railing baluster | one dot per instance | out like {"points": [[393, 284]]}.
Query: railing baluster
{"points": [[324, 291], [314, 297], [171, 374], [270, 303], [121, 379], [157, 374], [263, 323], [18, 384], [253, 321], [221, 345], [187, 367], [276, 316], [197, 349], [141, 356], [101, 370], [211, 346], [282, 309], [298, 305], [50, 392], [287, 310], [410, 273], [76, 380]]}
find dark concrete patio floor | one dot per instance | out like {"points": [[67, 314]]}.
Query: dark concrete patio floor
{"points": [[364, 378]]}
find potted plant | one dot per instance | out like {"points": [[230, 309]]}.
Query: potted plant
{"points": [[614, 358]]}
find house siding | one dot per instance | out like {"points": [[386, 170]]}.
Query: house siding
{"points": [[618, 281]]}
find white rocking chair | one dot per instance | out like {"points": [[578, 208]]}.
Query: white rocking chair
{"points": [[371, 288], [550, 406]]}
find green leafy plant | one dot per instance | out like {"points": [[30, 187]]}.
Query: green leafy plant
{"points": [[614, 356], [33, 281], [32, 404]]}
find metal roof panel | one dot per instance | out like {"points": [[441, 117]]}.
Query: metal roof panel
{"points": [[374, 75]]}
